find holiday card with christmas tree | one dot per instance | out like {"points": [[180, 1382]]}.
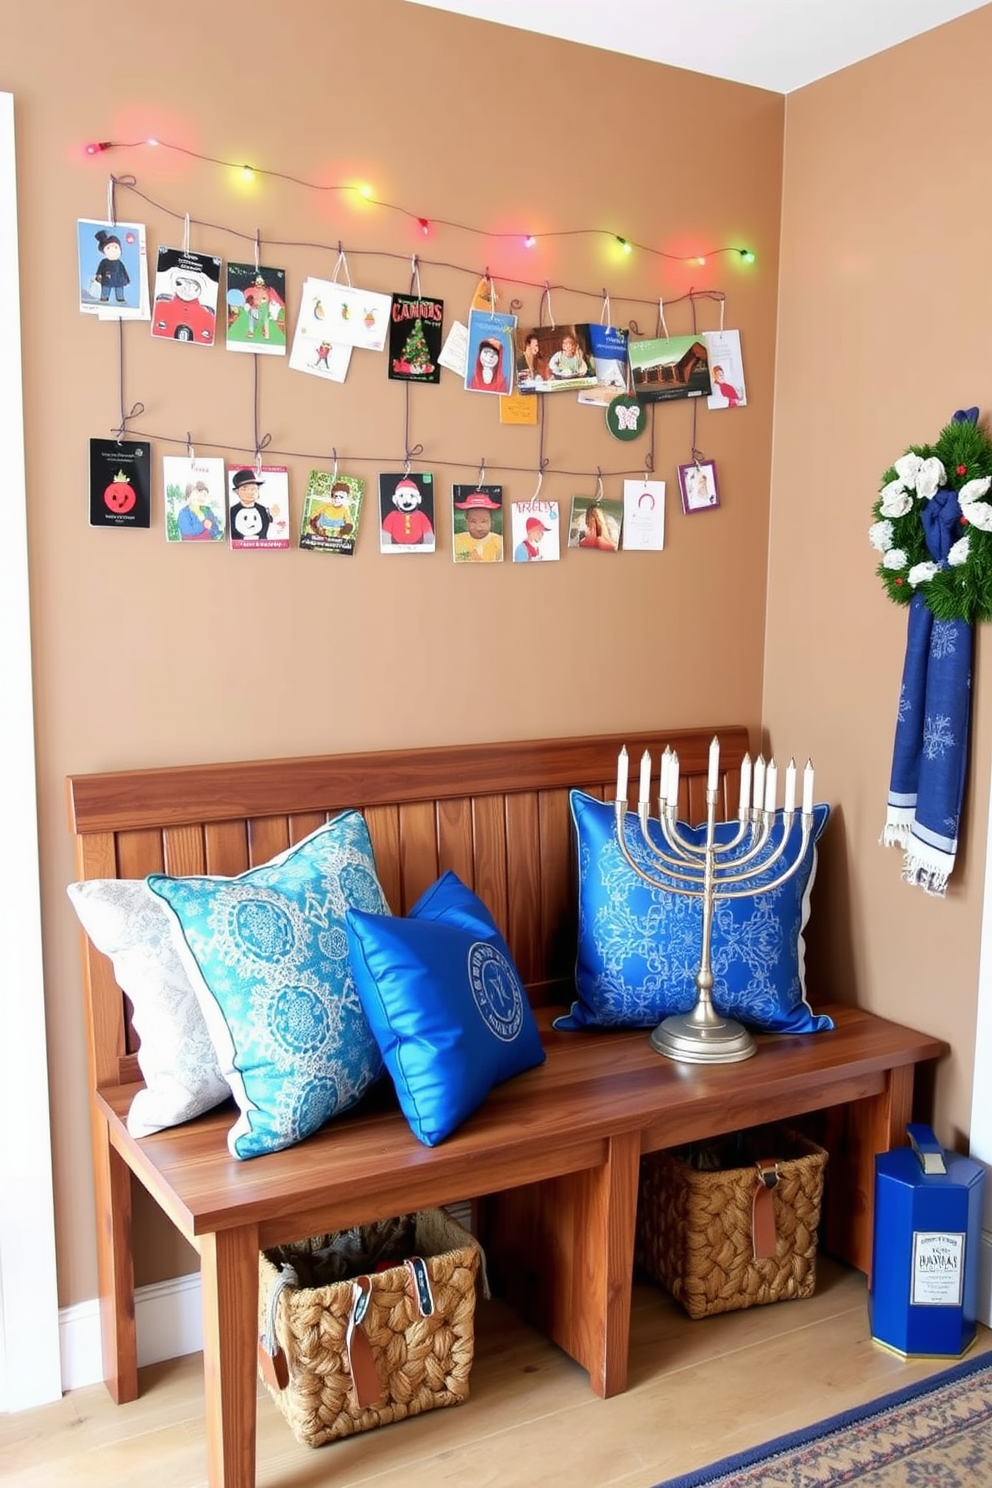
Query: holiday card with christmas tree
{"points": [[477, 524], [406, 513], [113, 270], [331, 510], [415, 337], [259, 506], [313, 351], [535, 531], [666, 367], [120, 483], [726, 369], [187, 286], [256, 309], [195, 498]]}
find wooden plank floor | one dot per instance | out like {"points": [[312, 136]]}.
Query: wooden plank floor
{"points": [[698, 1391]]}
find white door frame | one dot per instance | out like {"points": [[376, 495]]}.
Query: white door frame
{"points": [[30, 1368]]}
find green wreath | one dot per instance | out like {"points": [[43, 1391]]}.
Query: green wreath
{"points": [[944, 484]]}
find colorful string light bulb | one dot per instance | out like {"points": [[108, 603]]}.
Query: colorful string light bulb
{"points": [[97, 147], [529, 240], [624, 244], [425, 226], [746, 255]]}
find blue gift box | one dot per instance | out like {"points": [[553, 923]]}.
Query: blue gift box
{"points": [[923, 1298]]}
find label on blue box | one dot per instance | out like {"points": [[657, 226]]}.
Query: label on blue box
{"points": [[938, 1269]]}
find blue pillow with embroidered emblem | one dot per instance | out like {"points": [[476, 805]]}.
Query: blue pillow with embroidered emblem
{"points": [[266, 954], [639, 946], [446, 1005]]}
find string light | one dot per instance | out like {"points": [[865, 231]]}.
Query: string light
{"points": [[366, 192]]}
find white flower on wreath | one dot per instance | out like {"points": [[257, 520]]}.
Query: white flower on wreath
{"points": [[896, 500], [907, 468], [978, 514], [895, 558], [880, 536], [959, 552], [929, 479], [973, 489], [921, 572]]}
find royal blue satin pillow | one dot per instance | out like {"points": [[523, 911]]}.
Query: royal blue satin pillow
{"points": [[638, 946], [445, 1003]]}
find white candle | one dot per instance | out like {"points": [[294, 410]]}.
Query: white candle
{"points": [[771, 786], [666, 765], [644, 799], [790, 786], [713, 778], [745, 784], [759, 782], [808, 788], [622, 775], [673, 781]]}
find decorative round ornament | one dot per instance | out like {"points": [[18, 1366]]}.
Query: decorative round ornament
{"points": [[625, 417], [933, 523]]}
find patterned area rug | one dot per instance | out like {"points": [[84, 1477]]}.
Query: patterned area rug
{"points": [[935, 1434]]}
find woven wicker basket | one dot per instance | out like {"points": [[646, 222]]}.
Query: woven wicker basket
{"points": [[694, 1220], [422, 1362]]}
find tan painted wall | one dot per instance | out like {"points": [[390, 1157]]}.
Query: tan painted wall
{"points": [[885, 308], [148, 654]]}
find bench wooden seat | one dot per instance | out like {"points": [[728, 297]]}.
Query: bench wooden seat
{"points": [[551, 1158]]}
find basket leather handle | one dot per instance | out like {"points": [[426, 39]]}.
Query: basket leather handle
{"points": [[764, 1237], [366, 1386]]}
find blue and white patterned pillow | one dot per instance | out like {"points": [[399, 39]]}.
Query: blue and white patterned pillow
{"points": [[267, 956], [639, 946]]}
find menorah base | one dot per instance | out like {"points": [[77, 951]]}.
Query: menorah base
{"points": [[715, 1041]]}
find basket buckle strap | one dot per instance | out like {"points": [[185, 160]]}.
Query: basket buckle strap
{"points": [[422, 1293], [764, 1237], [271, 1359], [366, 1385]]}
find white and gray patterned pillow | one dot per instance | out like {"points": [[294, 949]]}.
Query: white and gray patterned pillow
{"points": [[131, 925]]}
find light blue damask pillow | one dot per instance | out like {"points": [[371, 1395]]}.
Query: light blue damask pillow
{"points": [[639, 946], [446, 1005], [267, 956]]}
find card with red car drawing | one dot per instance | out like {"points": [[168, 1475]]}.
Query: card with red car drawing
{"points": [[187, 286]]}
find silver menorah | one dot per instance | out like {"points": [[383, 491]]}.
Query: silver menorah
{"points": [[714, 871]]}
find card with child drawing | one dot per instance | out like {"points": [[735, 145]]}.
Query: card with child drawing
{"points": [[256, 309], [477, 524], [195, 498], [331, 509]]}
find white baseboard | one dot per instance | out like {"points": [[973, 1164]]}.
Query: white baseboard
{"points": [[984, 1309], [168, 1320]]}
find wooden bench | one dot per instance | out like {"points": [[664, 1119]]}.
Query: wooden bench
{"points": [[551, 1158]]}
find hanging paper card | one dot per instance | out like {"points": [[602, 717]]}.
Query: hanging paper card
{"points": [[477, 524], [187, 286], [120, 483], [258, 506], [643, 515], [555, 359], [313, 351], [669, 367], [415, 332], [486, 296], [608, 361], [330, 512], [535, 531], [195, 498], [626, 416], [489, 368], [595, 524], [518, 408], [698, 487], [356, 317], [113, 270], [726, 369], [454, 352], [406, 513], [256, 309]]}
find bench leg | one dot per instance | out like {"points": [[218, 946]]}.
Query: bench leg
{"points": [[562, 1252], [229, 1284], [115, 1267], [855, 1133]]}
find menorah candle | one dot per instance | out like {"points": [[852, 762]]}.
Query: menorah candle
{"points": [[644, 799], [622, 774], [745, 784], [666, 766], [713, 778], [808, 788], [771, 785], [673, 781], [790, 786], [759, 782]]}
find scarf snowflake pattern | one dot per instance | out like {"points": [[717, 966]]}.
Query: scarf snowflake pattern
{"points": [[933, 528]]}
